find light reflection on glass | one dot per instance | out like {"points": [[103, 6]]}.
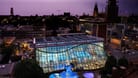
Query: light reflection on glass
{"points": [[84, 56]]}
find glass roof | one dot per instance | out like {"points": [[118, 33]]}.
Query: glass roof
{"points": [[67, 40]]}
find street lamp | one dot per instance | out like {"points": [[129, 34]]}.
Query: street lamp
{"points": [[34, 45]]}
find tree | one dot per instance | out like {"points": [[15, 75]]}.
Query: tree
{"points": [[110, 63], [123, 62], [6, 52], [28, 68]]}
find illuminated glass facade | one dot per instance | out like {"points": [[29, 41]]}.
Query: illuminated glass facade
{"points": [[85, 52]]}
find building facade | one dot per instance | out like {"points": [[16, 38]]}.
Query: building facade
{"points": [[85, 52]]}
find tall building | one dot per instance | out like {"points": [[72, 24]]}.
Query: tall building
{"points": [[95, 12], [11, 11], [111, 11]]}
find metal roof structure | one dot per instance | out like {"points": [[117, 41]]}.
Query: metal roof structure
{"points": [[67, 40]]}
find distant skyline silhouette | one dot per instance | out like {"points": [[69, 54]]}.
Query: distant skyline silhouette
{"points": [[75, 7]]}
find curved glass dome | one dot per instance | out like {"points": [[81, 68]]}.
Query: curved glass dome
{"points": [[85, 56]]}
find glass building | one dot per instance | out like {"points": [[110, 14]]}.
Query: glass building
{"points": [[83, 51]]}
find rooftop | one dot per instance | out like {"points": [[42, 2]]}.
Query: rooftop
{"points": [[67, 40]]}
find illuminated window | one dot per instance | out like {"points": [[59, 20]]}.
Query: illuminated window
{"points": [[84, 53]]}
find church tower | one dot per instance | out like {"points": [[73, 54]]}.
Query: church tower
{"points": [[11, 11], [111, 11], [95, 11]]}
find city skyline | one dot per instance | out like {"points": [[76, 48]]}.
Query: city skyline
{"points": [[75, 7]]}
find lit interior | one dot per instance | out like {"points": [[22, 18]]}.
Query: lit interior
{"points": [[85, 56]]}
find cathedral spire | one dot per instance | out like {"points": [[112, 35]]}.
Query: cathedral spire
{"points": [[11, 11], [95, 12]]}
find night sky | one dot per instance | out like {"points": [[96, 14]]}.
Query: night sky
{"points": [[76, 7]]}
